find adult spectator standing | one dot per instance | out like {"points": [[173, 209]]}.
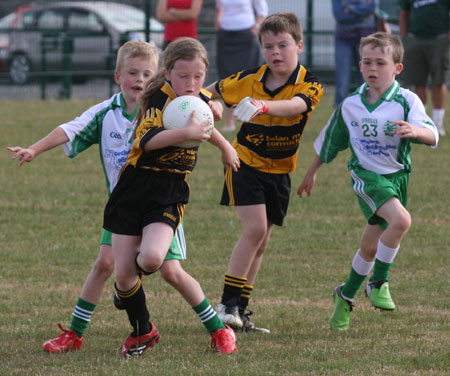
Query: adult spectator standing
{"points": [[425, 30], [180, 18], [237, 24], [354, 19]]}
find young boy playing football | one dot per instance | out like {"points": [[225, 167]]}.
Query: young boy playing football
{"points": [[378, 122], [274, 102], [109, 124]]}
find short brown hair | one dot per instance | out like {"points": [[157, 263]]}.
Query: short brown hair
{"points": [[282, 22], [136, 48], [384, 41]]}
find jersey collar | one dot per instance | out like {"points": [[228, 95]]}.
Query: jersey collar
{"points": [[119, 101], [387, 96], [292, 80]]}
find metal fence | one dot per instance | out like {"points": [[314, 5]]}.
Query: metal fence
{"points": [[63, 63]]}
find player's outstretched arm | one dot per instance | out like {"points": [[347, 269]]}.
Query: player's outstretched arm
{"points": [[248, 108], [54, 138], [310, 177], [229, 153]]}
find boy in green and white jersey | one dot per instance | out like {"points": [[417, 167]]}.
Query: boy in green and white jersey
{"points": [[109, 124], [378, 122]]}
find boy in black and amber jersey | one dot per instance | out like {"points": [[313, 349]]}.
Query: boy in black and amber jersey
{"points": [[274, 101]]}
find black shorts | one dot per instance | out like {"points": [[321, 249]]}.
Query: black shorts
{"points": [[249, 186], [142, 197]]}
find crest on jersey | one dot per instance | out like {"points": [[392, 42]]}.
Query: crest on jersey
{"points": [[255, 139], [389, 128]]}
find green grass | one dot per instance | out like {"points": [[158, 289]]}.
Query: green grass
{"points": [[50, 220]]}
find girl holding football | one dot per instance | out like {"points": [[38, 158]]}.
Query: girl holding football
{"points": [[148, 201]]}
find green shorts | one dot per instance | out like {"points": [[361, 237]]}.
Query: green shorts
{"points": [[177, 250], [373, 190]]}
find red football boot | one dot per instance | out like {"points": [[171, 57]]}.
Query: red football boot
{"points": [[66, 341], [224, 340], [135, 346]]}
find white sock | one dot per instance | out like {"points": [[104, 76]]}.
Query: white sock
{"points": [[386, 254], [438, 117], [361, 266]]}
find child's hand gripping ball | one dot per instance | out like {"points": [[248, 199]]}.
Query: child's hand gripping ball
{"points": [[177, 113]]}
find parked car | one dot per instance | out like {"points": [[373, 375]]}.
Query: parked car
{"points": [[4, 42], [80, 36]]}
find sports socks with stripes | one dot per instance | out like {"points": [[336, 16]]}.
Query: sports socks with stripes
{"points": [[208, 316], [245, 298], [81, 316], [232, 289]]}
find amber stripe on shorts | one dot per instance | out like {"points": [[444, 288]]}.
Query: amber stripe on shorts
{"points": [[229, 184]]}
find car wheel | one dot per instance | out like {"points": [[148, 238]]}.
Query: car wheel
{"points": [[19, 69]]}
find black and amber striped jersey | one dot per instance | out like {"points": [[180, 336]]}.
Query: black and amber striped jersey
{"points": [[172, 158], [269, 143]]}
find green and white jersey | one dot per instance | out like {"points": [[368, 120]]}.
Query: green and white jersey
{"points": [[108, 125], [367, 129]]}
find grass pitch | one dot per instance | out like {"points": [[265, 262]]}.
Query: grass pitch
{"points": [[50, 220]]}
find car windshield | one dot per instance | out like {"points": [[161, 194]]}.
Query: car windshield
{"points": [[127, 18], [5, 22]]}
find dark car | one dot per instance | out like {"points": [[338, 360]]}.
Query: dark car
{"points": [[82, 37]]}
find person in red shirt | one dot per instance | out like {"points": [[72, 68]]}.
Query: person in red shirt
{"points": [[180, 18]]}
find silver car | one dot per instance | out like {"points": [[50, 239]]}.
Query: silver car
{"points": [[77, 37]]}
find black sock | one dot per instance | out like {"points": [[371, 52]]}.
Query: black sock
{"points": [[136, 308]]}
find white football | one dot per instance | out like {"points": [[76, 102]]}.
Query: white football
{"points": [[176, 115]]}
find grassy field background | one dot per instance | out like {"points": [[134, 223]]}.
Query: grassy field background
{"points": [[50, 220]]}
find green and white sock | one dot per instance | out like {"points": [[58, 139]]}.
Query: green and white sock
{"points": [[81, 316], [360, 270], [209, 317], [383, 263]]}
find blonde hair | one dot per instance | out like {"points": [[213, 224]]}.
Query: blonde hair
{"points": [[282, 22], [179, 49], [136, 48], [386, 42]]}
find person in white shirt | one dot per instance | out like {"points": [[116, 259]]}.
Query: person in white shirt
{"points": [[237, 42]]}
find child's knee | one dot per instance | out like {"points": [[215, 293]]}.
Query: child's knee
{"points": [[149, 262], [402, 222], [257, 233], [104, 266], [170, 275]]}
